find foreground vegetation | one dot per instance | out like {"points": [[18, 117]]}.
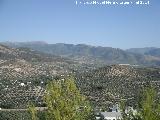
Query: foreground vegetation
{"points": [[64, 102], [148, 109]]}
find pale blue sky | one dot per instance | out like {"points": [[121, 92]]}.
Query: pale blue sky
{"points": [[61, 21]]}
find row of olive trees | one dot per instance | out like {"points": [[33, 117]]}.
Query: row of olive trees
{"points": [[64, 102]]}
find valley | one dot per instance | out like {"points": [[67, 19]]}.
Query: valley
{"points": [[25, 72]]}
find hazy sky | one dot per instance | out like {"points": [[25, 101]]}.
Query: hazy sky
{"points": [[62, 21]]}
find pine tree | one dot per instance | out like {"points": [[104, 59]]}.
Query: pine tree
{"points": [[65, 102], [32, 110], [150, 106]]}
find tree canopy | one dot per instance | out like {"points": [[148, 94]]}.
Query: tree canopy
{"points": [[65, 102]]}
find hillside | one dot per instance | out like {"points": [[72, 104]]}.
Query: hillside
{"points": [[25, 62], [24, 74], [91, 54], [113, 83], [140, 50], [155, 52]]}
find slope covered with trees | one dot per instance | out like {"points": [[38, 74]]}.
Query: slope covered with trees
{"points": [[111, 84], [24, 74]]}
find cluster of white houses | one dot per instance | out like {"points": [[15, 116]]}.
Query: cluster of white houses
{"points": [[111, 115]]}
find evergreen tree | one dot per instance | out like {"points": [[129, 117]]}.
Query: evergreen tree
{"points": [[65, 102], [150, 106], [32, 110]]}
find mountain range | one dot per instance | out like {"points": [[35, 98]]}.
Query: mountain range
{"points": [[95, 54]]}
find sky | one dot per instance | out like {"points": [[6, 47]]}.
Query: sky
{"points": [[62, 21]]}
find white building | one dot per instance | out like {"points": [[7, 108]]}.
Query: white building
{"points": [[131, 110], [111, 115]]}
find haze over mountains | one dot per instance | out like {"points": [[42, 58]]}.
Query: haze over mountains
{"points": [[92, 54]]}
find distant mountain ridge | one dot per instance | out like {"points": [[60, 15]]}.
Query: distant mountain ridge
{"points": [[95, 55], [141, 50]]}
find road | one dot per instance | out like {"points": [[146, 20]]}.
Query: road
{"points": [[37, 108]]}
